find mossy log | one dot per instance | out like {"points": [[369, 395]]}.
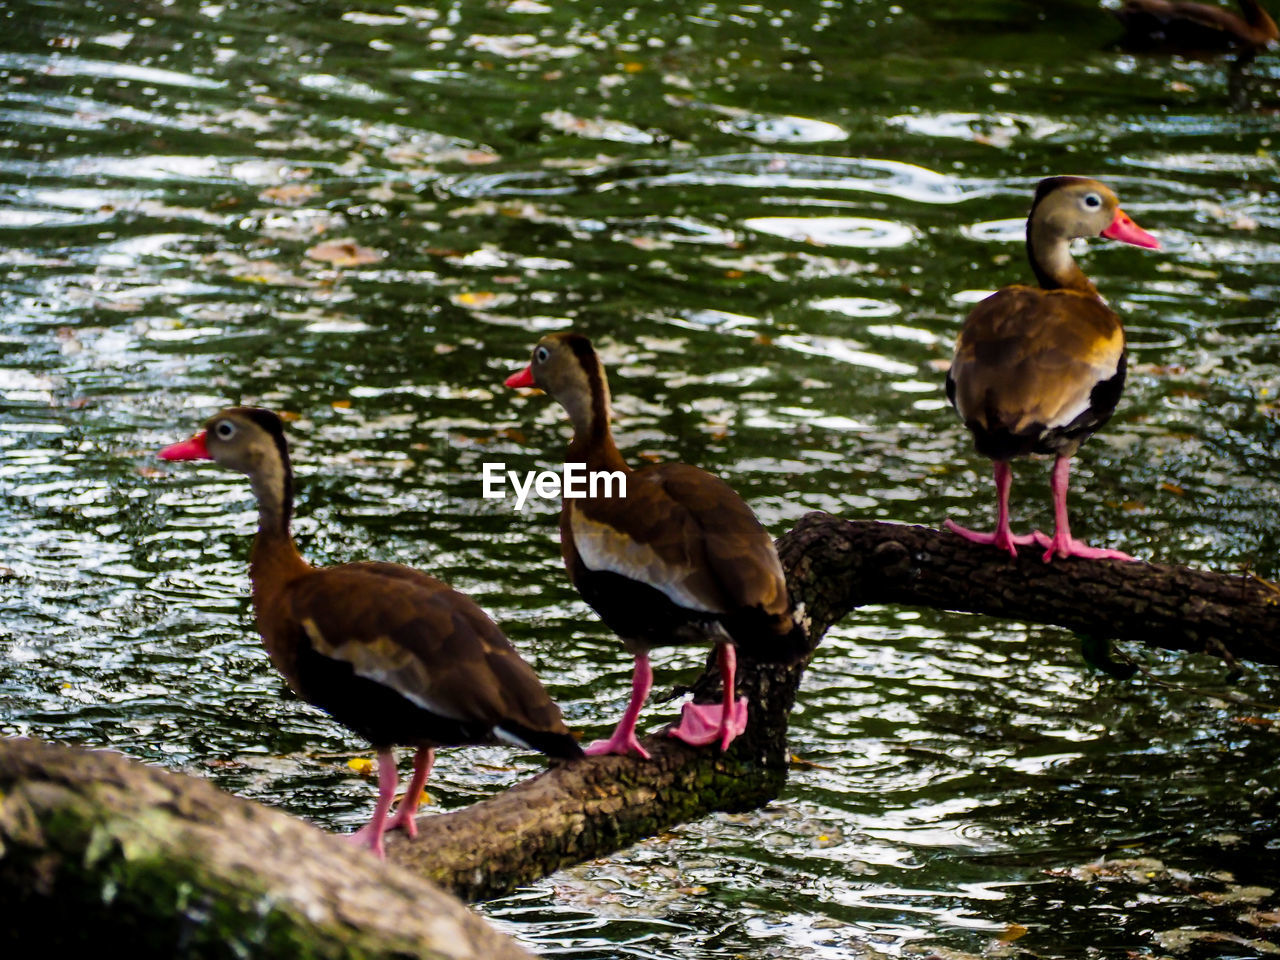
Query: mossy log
{"points": [[98, 852], [185, 870]]}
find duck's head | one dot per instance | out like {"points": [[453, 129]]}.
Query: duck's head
{"points": [[1071, 207], [245, 439], [566, 366]]}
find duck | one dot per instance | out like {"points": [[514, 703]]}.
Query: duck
{"points": [[675, 558], [1196, 27], [392, 654], [1038, 370]]}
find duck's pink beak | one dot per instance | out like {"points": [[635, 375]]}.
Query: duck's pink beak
{"points": [[522, 379], [193, 449], [1126, 231]]}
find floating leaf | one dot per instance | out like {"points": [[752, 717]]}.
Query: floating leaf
{"points": [[344, 253], [1236, 893], [290, 194], [361, 765], [482, 299], [1014, 931]]}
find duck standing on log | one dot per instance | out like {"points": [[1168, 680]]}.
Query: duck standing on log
{"points": [[679, 559], [1037, 370], [1195, 27], [391, 653]]}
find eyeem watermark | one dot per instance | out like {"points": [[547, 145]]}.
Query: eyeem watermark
{"points": [[577, 483]]}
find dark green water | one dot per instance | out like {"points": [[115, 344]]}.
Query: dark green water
{"points": [[772, 221]]}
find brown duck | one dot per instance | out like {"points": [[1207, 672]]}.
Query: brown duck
{"points": [[679, 559], [1037, 370], [391, 653], [1196, 27]]}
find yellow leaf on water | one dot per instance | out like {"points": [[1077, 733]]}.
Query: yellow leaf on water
{"points": [[361, 765], [1015, 931], [423, 798]]}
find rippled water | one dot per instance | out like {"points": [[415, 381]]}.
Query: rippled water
{"points": [[772, 221]]}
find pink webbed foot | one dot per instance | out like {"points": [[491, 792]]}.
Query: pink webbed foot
{"points": [[622, 742], [369, 837], [1062, 543], [1001, 539], [704, 723], [624, 739], [1068, 546], [403, 818]]}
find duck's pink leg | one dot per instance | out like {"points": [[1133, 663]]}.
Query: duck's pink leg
{"points": [[1003, 538], [624, 735], [1063, 544], [403, 818], [370, 835], [701, 724]]}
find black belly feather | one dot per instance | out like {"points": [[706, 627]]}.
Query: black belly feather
{"points": [[1148, 31], [638, 612], [387, 719], [374, 710]]}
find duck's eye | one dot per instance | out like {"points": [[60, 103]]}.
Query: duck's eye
{"points": [[1092, 201], [541, 354], [224, 429]]}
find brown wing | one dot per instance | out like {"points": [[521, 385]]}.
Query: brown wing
{"points": [[685, 533], [1029, 359], [1197, 14], [433, 646], [1194, 25]]}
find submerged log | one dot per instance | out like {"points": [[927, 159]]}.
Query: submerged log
{"points": [[100, 852], [181, 868]]}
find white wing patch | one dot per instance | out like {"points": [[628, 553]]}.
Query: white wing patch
{"points": [[604, 549], [1084, 397], [511, 740], [384, 662]]}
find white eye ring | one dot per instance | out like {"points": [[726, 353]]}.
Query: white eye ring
{"points": [[224, 429], [541, 354], [1092, 201]]}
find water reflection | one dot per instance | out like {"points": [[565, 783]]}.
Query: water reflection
{"points": [[771, 222]]}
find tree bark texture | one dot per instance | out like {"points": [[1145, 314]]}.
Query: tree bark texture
{"points": [[1168, 607], [99, 852], [591, 808], [184, 870]]}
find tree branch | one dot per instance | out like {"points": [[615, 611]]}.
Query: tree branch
{"points": [[96, 849], [183, 869], [1167, 607], [594, 807]]}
